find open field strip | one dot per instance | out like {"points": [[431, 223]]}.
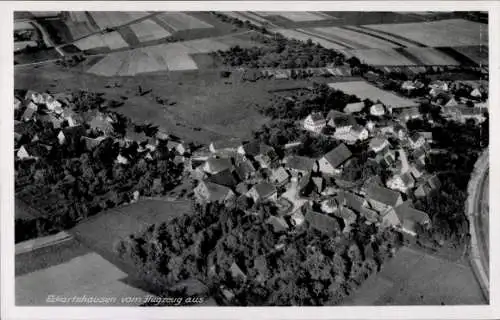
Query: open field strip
{"points": [[365, 90], [431, 56], [182, 21], [296, 16], [348, 44], [252, 16], [381, 57], [78, 16], [442, 33], [109, 65], [363, 40], [148, 30], [400, 42], [109, 19], [178, 59], [478, 54], [148, 62], [301, 36], [206, 45]]}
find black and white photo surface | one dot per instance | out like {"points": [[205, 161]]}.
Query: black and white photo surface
{"points": [[251, 158]]}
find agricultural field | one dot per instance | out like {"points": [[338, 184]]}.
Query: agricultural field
{"points": [[302, 36], [296, 16], [101, 232], [79, 273], [111, 19], [441, 33], [163, 57], [365, 90], [178, 21], [147, 30], [109, 41], [79, 25], [382, 57], [431, 56], [416, 278], [478, 54]]}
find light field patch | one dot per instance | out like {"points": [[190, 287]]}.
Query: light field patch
{"points": [[179, 21], [148, 30]]}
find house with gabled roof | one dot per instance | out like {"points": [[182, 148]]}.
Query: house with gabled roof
{"points": [[33, 96], [354, 107], [416, 140], [378, 144], [245, 169], [263, 191], [315, 122], [278, 223], [33, 151], [331, 163], [92, 143], [225, 146], [351, 200], [411, 218], [177, 146], [299, 164], [279, 176], [342, 124], [380, 197], [476, 93], [224, 178], [211, 192], [29, 112], [401, 182], [215, 165], [370, 215], [322, 222], [427, 185]]}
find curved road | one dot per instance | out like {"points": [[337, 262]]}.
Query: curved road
{"points": [[482, 219], [478, 214]]}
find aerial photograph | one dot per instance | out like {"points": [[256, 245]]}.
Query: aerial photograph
{"points": [[251, 158]]}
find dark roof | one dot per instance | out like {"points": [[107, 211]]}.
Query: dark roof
{"points": [[255, 148], [219, 164], [383, 195], [322, 222], [227, 144], [335, 114], [216, 191], [279, 224], [74, 132], [344, 121], [223, 178], [264, 189], [351, 200], [338, 155], [244, 169], [299, 163]]}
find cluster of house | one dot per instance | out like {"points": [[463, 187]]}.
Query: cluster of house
{"points": [[231, 170], [92, 127], [282, 74]]}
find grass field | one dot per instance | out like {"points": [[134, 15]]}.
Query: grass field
{"points": [[111, 41], [382, 57], [109, 19], [86, 274], [296, 16], [103, 230], [416, 278], [204, 102], [147, 30], [365, 90], [441, 33], [178, 21]]}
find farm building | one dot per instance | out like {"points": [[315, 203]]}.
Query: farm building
{"points": [[380, 197], [211, 192], [315, 122], [262, 192], [377, 144], [216, 165], [332, 161], [299, 164]]}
